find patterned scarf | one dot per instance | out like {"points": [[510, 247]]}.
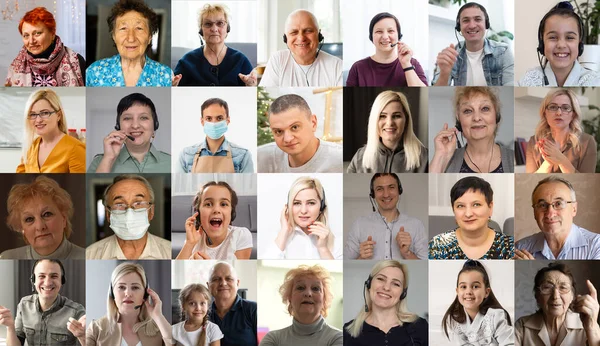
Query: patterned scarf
{"points": [[61, 68]]}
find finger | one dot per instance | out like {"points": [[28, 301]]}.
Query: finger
{"points": [[369, 238], [592, 289]]}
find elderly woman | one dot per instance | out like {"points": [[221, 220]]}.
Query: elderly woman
{"points": [[215, 64], [41, 211], [392, 146], [44, 60], [132, 24], [386, 317], [129, 148], [46, 146], [563, 317], [392, 64], [307, 293], [477, 118], [472, 203], [559, 144], [209, 233], [304, 232], [132, 318]]}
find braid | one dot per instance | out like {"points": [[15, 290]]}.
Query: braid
{"points": [[202, 338]]}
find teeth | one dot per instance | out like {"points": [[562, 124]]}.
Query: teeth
{"points": [[562, 55]]}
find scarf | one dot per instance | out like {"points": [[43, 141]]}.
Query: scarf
{"points": [[61, 68]]}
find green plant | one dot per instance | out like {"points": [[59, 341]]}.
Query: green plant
{"points": [[262, 127], [589, 12], [592, 127], [502, 36]]}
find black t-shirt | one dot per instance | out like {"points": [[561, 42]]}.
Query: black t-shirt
{"points": [[409, 334]]}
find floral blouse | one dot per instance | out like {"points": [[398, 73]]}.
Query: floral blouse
{"points": [[445, 246], [109, 73]]}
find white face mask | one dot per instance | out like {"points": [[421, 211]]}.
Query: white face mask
{"points": [[132, 225]]}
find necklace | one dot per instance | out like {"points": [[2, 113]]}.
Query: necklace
{"points": [[474, 164], [221, 51]]}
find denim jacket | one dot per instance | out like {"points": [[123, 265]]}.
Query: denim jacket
{"points": [[242, 159], [498, 65]]}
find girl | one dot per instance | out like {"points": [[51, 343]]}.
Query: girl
{"points": [[196, 329], [476, 317]]}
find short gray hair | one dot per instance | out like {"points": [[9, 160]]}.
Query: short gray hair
{"points": [[231, 269], [122, 177], [552, 179], [289, 18], [289, 101]]}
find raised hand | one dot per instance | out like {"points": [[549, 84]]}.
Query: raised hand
{"points": [[249, 79], [404, 54], [153, 305], [446, 59], [6, 317], [403, 239], [366, 248], [285, 230], [321, 231], [587, 307], [113, 144], [445, 141], [77, 327], [192, 234]]}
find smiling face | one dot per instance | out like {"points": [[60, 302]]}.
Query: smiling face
{"points": [[472, 212], [131, 35], [223, 284], [554, 221], [293, 130], [561, 42], [215, 210], [45, 127], [211, 32], [47, 279], [137, 122], [385, 33], [386, 193], [36, 38], [306, 208], [307, 298], [43, 224], [559, 120], [129, 293], [477, 117], [471, 290], [302, 37], [196, 307], [387, 287], [214, 113], [555, 304], [472, 24], [391, 123]]}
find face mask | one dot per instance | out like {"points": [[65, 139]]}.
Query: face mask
{"points": [[215, 130], [132, 225]]}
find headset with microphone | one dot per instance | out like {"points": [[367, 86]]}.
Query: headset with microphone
{"points": [[63, 279], [321, 207], [457, 25], [111, 294], [459, 126], [201, 33], [129, 101], [367, 287], [321, 39], [374, 202], [378, 17]]}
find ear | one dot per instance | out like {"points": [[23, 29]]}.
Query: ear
{"points": [[228, 119], [491, 208], [108, 216], [487, 292], [151, 213], [202, 120], [574, 206], [313, 122]]}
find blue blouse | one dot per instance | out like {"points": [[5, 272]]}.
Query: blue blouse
{"points": [[108, 72], [195, 70]]}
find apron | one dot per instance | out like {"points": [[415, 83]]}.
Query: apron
{"points": [[213, 164]]}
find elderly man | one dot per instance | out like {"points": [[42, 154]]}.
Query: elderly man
{"points": [[129, 203], [554, 206], [303, 63], [296, 149], [236, 317], [45, 317]]}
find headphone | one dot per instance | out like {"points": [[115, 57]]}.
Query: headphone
{"points": [[381, 16], [323, 204], [367, 286], [377, 175], [63, 279], [111, 294], [561, 8], [321, 39], [142, 100], [469, 5], [459, 127]]}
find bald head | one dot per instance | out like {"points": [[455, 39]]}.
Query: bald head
{"points": [[301, 14]]}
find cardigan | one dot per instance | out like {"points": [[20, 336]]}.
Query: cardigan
{"points": [[583, 159], [68, 156], [195, 70], [507, 157], [97, 333]]}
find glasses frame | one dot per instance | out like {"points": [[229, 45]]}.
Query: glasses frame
{"points": [[33, 116], [559, 107], [123, 211], [538, 207], [554, 287], [205, 25]]}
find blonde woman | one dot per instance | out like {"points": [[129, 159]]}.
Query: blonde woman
{"points": [[307, 293], [559, 144], [392, 146], [46, 147], [385, 317], [134, 312], [304, 232]]}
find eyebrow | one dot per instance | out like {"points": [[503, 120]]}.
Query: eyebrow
{"points": [[474, 17], [393, 279], [121, 197], [212, 199], [389, 185], [568, 32], [292, 124], [132, 284], [555, 199], [474, 282]]}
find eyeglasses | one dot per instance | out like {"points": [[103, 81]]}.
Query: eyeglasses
{"points": [[42, 114], [548, 288], [553, 107], [208, 25], [121, 208], [557, 205]]}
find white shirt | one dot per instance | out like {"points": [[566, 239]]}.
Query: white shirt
{"points": [[302, 246], [124, 343], [475, 75], [579, 76], [185, 338], [238, 238], [108, 248], [327, 159], [283, 71], [491, 329]]}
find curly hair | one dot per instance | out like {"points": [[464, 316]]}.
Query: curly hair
{"points": [[543, 128], [318, 272], [39, 15], [124, 6]]}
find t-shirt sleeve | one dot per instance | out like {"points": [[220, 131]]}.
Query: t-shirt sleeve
{"points": [[213, 332], [243, 239], [352, 76]]}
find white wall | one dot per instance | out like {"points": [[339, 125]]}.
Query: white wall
{"points": [[7, 293]]}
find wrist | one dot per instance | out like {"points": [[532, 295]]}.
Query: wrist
{"points": [[407, 67]]}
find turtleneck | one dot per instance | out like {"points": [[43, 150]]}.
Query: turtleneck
{"points": [[308, 329], [45, 54], [62, 251]]}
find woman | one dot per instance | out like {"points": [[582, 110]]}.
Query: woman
{"points": [[304, 232], [46, 147], [44, 60], [129, 148], [392, 64], [559, 144], [563, 318], [560, 42], [134, 312], [392, 146], [477, 118], [472, 203], [215, 64], [41, 211], [132, 24], [307, 293], [209, 233], [386, 317]]}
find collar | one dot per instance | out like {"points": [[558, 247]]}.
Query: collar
{"points": [[572, 78], [385, 150], [149, 249], [62, 251], [236, 304], [487, 47], [536, 321], [380, 217], [308, 329], [124, 155], [225, 146], [575, 239], [58, 304]]}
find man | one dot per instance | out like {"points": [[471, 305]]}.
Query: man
{"points": [[215, 154], [129, 203], [554, 206], [296, 149], [385, 233], [303, 63], [236, 317], [477, 61], [45, 317]]}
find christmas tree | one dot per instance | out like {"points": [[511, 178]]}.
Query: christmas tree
{"points": [[262, 107]]}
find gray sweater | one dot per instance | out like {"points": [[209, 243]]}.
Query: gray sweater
{"points": [[388, 161], [318, 333], [507, 157]]}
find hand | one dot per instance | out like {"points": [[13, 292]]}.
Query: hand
{"points": [[523, 255], [113, 144], [403, 239], [154, 309], [445, 141], [192, 235], [6, 318], [8, 83], [587, 307], [446, 59], [285, 230], [404, 54], [199, 255], [366, 248], [77, 327], [176, 79], [550, 151], [249, 79], [322, 232]]}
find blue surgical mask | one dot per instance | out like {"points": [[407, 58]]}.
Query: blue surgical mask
{"points": [[215, 130]]}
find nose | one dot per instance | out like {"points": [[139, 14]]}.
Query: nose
{"points": [[307, 292], [468, 211], [130, 35], [287, 136], [39, 224]]}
